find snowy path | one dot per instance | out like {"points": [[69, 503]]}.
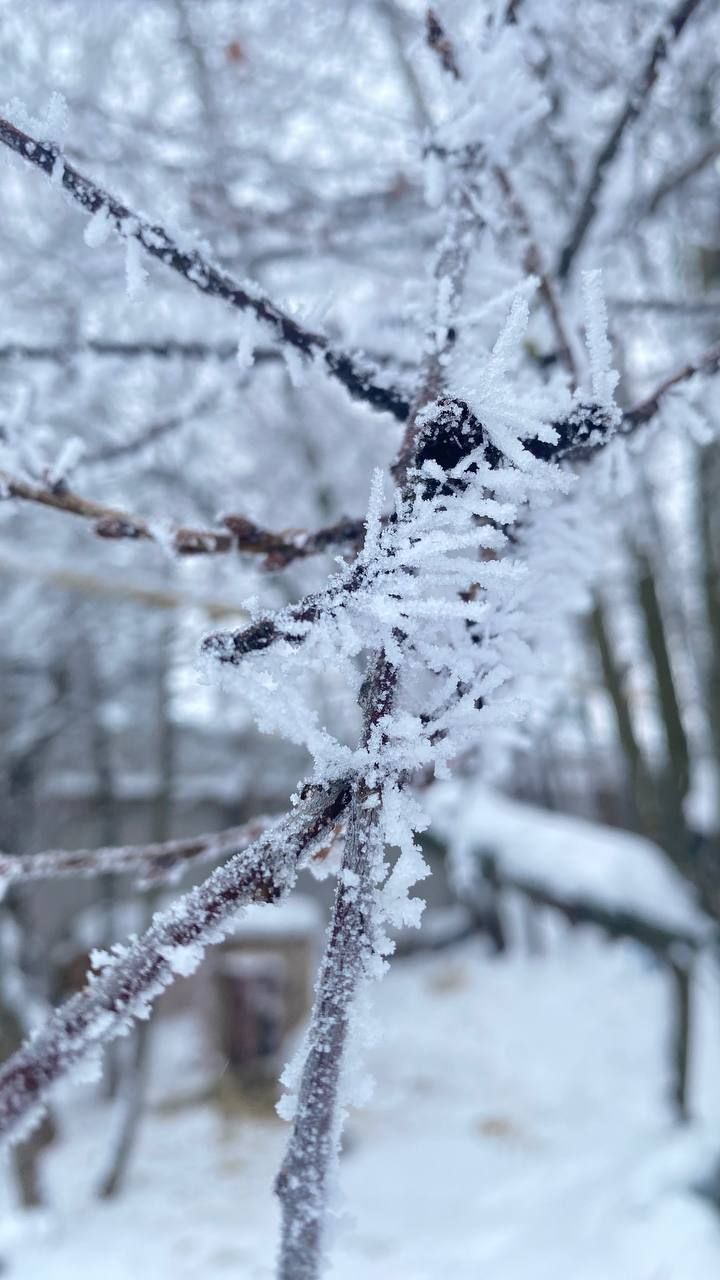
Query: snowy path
{"points": [[518, 1130]]}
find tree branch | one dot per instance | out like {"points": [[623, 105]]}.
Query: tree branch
{"points": [[357, 379], [131, 978], [442, 46], [149, 862], [240, 534], [633, 107], [150, 594], [535, 266], [166, 349], [302, 1181], [708, 362], [680, 176], [353, 942]]}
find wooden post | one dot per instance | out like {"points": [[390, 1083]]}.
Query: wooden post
{"points": [[681, 981]]}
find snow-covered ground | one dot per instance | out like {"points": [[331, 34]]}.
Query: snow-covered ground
{"points": [[518, 1131]]}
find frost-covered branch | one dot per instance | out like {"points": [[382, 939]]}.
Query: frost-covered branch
{"points": [[535, 265], [354, 945], [356, 941], [239, 534], [161, 350], [635, 103], [165, 349], [150, 863], [201, 273], [678, 177], [130, 978], [646, 409]]}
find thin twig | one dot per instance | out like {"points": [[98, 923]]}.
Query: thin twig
{"points": [[165, 349], [441, 44], [634, 105], [708, 362], [357, 379], [150, 862], [673, 181], [150, 434], [679, 306], [240, 534], [302, 1184], [150, 594]]}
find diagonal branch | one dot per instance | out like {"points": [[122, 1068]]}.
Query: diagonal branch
{"points": [[291, 626], [672, 181], [357, 379], [634, 105], [130, 979], [440, 43], [150, 594], [354, 942], [645, 410]]}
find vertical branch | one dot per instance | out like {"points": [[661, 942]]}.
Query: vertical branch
{"points": [[451, 267], [442, 46], [676, 778], [681, 981], [302, 1183]]}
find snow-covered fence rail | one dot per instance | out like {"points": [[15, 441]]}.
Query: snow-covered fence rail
{"points": [[675, 949]]}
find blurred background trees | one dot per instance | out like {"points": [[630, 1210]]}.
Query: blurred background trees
{"points": [[293, 142]]}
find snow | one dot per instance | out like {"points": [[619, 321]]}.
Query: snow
{"points": [[67, 459], [603, 376], [568, 855], [250, 336], [518, 1129], [98, 228], [136, 277]]}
